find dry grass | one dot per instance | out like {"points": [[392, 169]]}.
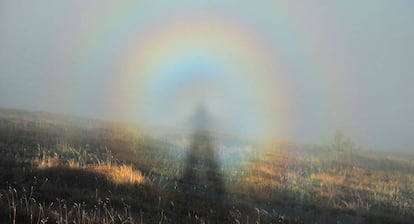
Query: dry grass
{"points": [[324, 178], [44, 161], [329, 178], [116, 173], [328, 181], [120, 174]]}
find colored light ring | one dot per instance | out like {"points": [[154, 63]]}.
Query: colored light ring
{"points": [[160, 52]]}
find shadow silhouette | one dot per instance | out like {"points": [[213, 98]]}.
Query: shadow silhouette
{"points": [[201, 173]]}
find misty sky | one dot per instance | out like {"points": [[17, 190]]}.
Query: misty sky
{"points": [[348, 65]]}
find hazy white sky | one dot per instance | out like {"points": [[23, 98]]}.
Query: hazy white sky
{"points": [[347, 65]]}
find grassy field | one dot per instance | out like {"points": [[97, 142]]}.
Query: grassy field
{"points": [[62, 169]]}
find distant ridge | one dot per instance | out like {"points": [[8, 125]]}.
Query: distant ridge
{"points": [[24, 115]]}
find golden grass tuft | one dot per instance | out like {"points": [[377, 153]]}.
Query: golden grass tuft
{"points": [[120, 174], [44, 161], [328, 178], [270, 171]]}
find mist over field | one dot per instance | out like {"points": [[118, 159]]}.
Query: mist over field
{"points": [[295, 71], [206, 112]]}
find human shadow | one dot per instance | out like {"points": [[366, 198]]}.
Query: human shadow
{"points": [[201, 172]]}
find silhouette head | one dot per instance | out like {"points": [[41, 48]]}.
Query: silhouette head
{"points": [[201, 118]]}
